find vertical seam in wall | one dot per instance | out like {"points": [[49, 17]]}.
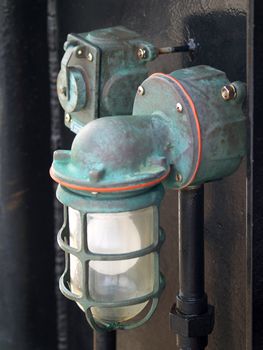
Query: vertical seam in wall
{"points": [[56, 142], [249, 183]]}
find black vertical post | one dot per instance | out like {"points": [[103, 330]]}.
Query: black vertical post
{"points": [[191, 317], [27, 299], [105, 340], [255, 171]]}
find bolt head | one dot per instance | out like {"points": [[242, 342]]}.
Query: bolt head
{"points": [[142, 53], [228, 92], [90, 57], [178, 177], [67, 118], [140, 90], [179, 107]]}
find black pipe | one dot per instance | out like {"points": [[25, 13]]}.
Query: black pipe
{"points": [[191, 317], [105, 340], [192, 298], [27, 298]]}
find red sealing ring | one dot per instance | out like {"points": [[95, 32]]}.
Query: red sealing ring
{"points": [[108, 189], [197, 123]]}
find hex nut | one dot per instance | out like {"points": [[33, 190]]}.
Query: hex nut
{"points": [[179, 107], [192, 325], [142, 53], [90, 57], [67, 118], [228, 92], [178, 177], [140, 90]]}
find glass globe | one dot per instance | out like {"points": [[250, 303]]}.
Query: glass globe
{"points": [[115, 280]]}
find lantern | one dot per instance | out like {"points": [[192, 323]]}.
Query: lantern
{"points": [[111, 238]]}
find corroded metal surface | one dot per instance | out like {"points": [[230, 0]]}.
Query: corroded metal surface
{"points": [[100, 72], [205, 134], [203, 140], [220, 28], [222, 125]]}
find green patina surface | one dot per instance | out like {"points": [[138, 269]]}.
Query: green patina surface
{"points": [[127, 150], [110, 203], [156, 137], [100, 73]]}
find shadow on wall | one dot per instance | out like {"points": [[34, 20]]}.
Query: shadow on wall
{"points": [[222, 38]]}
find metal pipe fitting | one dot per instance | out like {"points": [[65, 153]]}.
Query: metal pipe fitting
{"points": [[191, 317]]}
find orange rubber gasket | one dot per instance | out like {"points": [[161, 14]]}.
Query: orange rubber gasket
{"points": [[109, 189], [199, 134]]}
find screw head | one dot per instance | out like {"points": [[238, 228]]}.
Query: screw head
{"points": [[228, 92], [142, 53], [90, 57], [178, 177], [67, 118], [179, 107], [79, 52], [140, 90]]}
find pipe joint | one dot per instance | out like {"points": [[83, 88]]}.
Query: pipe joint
{"points": [[191, 305], [192, 325]]}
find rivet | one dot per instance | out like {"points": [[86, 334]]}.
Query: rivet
{"points": [[179, 107], [141, 53], [140, 90], [228, 92], [94, 193], [90, 57], [67, 118], [178, 177]]}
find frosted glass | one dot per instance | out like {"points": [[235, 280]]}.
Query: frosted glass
{"points": [[118, 280], [76, 275], [74, 228], [135, 282], [117, 233], [75, 242], [117, 314]]}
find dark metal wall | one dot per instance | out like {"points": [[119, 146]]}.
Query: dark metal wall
{"points": [[220, 27]]}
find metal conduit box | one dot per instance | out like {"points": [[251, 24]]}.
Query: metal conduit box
{"points": [[100, 73]]}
